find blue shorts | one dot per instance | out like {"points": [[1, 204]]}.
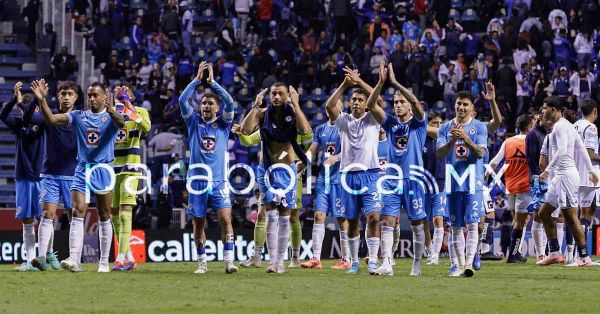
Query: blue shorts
{"points": [[99, 180], [436, 205], [55, 188], [328, 202], [537, 190], [279, 180], [28, 199], [353, 200], [216, 199], [411, 198], [464, 208]]}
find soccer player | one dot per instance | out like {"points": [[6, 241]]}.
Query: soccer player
{"points": [[589, 134], [327, 199], [57, 173], [516, 177], [406, 134], [435, 198], [564, 144], [208, 137], [30, 155], [96, 131], [127, 168], [359, 168], [462, 142], [279, 123]]}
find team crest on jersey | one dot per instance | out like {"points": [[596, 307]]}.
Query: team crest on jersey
{"points": [[472, 131], [288, 119], [103, 119], [122, 135], [330, 149], [401, 142], [382, 162], [92, 137], [215, 125], [208, 144], [460, 151]]}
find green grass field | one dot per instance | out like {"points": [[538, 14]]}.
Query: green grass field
{"points": [[173, 288]]}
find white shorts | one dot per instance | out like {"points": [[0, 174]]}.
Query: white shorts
{"points": [[555, 213], [562, 191], [587, 195], [487, 200], [519, 202]]}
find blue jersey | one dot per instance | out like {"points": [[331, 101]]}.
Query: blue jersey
{"points": [[327, 137], [96, 135], [461, 158], [412, 31], [405, 143], [434, 167], [382, 153]]}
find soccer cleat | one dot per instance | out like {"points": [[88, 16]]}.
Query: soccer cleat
{"points": [[416, 269], [383, 270], [477, 261], [372, 266], [312, 263], [392, 261], [24, 267], [230, 268], [117, 266], [516, 259], [354, 268], [252, 261], [469, 271], [39, 263], [540, 258], [551, 259], [280, 269], [271, 268], [454, 271], [341, 264], [294, 263], [489, 256], [103, 268], [434, 260], [70, 265], [585, 262], [202, 268], [52, 260]]}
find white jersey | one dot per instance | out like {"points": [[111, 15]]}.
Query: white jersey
{"points": [[546, 152], [359, 141], [589, 136], [564, 144]]}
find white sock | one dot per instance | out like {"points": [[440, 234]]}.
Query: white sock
{"points": [[451, 250], [51, 242], [272, 235], [472, 241], [373, 246], [560, 233], [121, 257], [284, 237], [344, 245], [418, 241], [537, 230], [257, 252], [387, 242], [29, 241], [318, 233], [458, 238], [522, 248], [129, 256], [105, 234], [570, 252], [353, 248], [438, 238], [202, 258], [45, 231], [228, 253], [396, 240], [76, 239]]}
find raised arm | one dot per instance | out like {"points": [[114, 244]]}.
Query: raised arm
{"points": [[415, 105], [116, 118], [301, 121], [375, 110], [40, 90], [223, 94], [337, 95], [246, 140], [490, 96], [357, 80], [252, 120], [184, 104]]}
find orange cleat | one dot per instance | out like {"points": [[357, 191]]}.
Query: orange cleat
{"points": [[312, 263], [341, 264]]}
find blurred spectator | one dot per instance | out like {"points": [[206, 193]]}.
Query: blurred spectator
{"points": [[64, 65], [187, 24], [580, 85], [242, 9], [31, 12], [103, 37]]}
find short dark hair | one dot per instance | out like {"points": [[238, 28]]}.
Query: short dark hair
{"points": [[552, 101], [361, 91], [211, 95], [68, 85], [523, 122], [433, 114], [587, 106], [100, 85], [465, 95], [524, 64], [278, 84], [570, 115], [127, 85]]}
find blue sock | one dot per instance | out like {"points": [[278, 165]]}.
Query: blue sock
{"points": [[554, 246], [515, 241], [228, 246], [489, 234], [200, 251], [568, 235], [582, 250]]}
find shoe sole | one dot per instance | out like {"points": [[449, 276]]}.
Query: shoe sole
{"points": [[469, 273], [35, 263]]}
